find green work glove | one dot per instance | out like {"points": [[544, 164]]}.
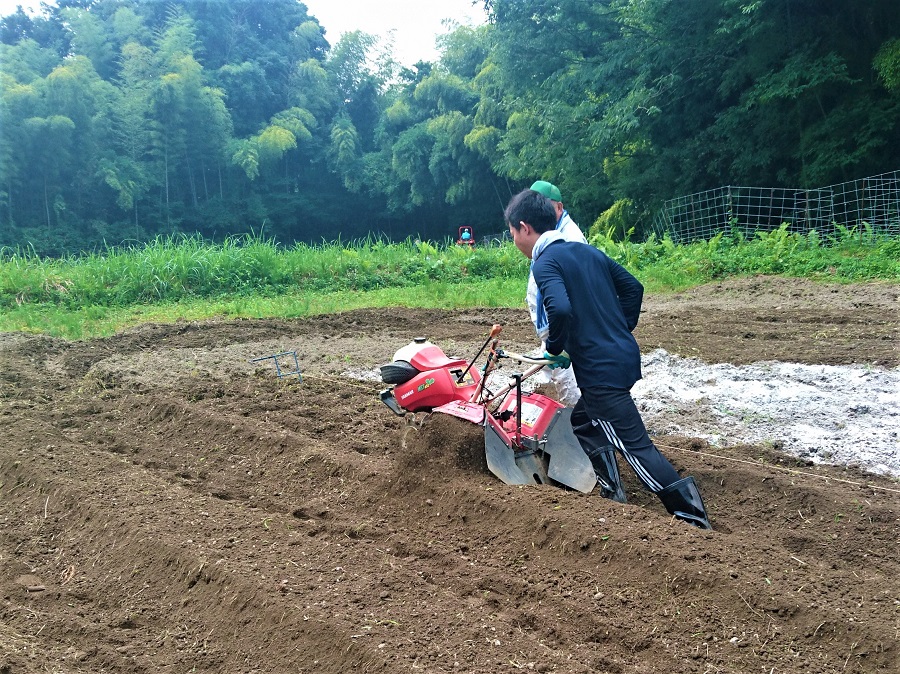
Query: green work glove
{"points": [[560, 361]]}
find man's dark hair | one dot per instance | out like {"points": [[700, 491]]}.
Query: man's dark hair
{"points": [[531, 207]]}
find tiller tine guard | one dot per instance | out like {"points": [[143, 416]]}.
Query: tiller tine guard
{"points": [[512, 467], [387, 397], [569, 464]]}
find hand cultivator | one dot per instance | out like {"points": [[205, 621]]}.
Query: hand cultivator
{"points": [[528, 437]]}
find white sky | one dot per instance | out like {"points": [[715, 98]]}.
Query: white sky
{"points": [[415, 22], [8, 7]]}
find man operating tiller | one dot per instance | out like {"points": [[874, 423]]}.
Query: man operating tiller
{"points": [[562, 378], [592, 305]]}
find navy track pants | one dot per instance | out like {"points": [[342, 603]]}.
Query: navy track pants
{"points": [[614, 413]]}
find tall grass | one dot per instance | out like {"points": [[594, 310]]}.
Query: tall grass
{"points": [[850, 254], [187, 278], [173, 269]]}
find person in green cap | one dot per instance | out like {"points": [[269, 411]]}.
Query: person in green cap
{"points": [[563, 379], [564, 223]]}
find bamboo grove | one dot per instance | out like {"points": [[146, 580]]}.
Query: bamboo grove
{"points": [[125, 120]]}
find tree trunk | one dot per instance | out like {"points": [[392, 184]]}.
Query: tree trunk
{"points": [[9, 201], [47, 205], [205, 186], [166, 169], [191, 182]]}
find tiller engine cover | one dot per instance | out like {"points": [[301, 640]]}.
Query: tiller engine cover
{"points": [[426, 378]]}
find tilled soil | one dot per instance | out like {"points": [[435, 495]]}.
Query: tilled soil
{"points": [[169, 505]]}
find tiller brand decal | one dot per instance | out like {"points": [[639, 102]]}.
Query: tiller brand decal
{"points": [[465, 381], [530, 413]]}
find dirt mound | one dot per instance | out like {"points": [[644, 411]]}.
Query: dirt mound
{"points": [[169, 504]]}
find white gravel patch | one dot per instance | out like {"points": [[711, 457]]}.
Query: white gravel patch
{"points": [[843, 415]]}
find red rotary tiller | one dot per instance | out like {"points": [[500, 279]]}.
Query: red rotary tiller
{"points": [[528, 437]]}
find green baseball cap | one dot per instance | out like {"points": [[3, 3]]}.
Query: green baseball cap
{"points": [[547, 189]]}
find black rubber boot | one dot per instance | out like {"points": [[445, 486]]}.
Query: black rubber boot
{"points": [[683, 500], [603, 457], [607, 471]]}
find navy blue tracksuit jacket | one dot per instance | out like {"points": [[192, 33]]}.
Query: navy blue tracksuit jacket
{"points": [[592, 303]]}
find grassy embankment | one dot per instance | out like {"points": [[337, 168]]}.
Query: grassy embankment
{"points": [[188, 279]]}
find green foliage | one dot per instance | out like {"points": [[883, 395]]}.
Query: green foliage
{"points": [[129, 119], [254, 276], [674, 98], [616, 221], [850, 254], [887, 64]]}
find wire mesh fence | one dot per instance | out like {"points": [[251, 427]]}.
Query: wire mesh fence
{"points": [[872, 201]]}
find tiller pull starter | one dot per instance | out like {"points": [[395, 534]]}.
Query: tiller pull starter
{"points": [[528, 437]]}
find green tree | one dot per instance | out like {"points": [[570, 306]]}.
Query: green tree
{"points": [[26, 61], [48, 143], [91, 38], [645, 100], [887, 64], [17, 103], [190, 125]]}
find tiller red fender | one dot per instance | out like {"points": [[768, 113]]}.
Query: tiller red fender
{"points": [[528, 436]]}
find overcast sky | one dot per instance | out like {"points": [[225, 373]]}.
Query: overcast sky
{"points": [[415, 22]]}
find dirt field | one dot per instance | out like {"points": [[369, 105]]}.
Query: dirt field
{"points": [[166, 505]]}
